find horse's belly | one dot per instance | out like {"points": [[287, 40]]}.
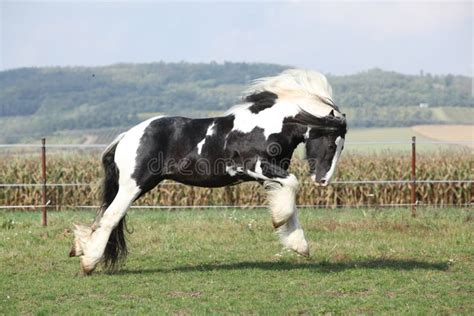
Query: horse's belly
{"points": [[207, 181]]}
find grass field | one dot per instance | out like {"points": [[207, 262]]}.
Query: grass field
{"points": [[403, 134], [447, 132], [390, 134], [358, 141], [453, 114], [226, 261]]}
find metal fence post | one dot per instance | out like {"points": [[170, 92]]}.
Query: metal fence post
{"points": [[43, 168], [413, 176]]}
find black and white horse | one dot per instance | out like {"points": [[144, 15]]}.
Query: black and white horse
{"points": [[254, 141]]}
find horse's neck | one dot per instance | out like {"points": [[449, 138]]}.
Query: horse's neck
{"points": [[296, 134]]}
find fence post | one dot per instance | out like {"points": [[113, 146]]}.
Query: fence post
{"points": [[43, 168], [413, 176]]}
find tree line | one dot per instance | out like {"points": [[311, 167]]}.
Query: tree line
{"points": [[57, 98]]}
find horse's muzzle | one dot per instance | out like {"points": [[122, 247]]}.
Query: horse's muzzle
{"points": [[320, 183]]}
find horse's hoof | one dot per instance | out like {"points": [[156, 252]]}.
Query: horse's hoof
{"points": [[304, 253], [277, 225], [72, 252], [86, 268], [82, 234]]}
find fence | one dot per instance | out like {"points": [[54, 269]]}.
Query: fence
{"points": [[44, 185]]}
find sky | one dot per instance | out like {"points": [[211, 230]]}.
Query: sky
{"points": [[338, 37]]}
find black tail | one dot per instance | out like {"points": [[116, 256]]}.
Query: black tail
{"points": [[116, 249]]}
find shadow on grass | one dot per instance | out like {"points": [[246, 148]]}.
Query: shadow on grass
{"points": [[321, 267]]}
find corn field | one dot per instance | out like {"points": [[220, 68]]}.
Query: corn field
{"points": [[84, 167]]}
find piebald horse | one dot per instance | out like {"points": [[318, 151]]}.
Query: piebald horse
{"points": [[253, 141]]}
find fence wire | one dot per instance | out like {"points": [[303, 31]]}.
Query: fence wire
{"points": [[348, 143], [183, 207], [340, 182], [28, 185]]}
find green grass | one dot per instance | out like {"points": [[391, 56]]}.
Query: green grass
{"points": [[440, 114], [226, 261], [454, 115]]}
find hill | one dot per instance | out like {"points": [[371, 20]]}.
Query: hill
{"points": [[45, 101]]}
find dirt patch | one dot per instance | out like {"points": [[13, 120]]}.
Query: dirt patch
{"points": [[185, 294], [464, 133]]}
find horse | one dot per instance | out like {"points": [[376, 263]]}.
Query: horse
{"points": [[252, 141]]}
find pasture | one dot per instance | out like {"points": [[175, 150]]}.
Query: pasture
{"points": [[230, 261], [447, 132], [423, 133]]}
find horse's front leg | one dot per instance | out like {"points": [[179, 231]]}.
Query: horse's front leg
{"points": [[281, 188]]}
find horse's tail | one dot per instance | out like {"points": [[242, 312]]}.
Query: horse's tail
{"points": [[116, 248]]}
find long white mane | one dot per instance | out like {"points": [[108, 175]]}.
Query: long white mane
{"points": [[295, 81], [306, 89]]}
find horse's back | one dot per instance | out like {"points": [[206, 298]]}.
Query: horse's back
{"points": [[168, 147]]}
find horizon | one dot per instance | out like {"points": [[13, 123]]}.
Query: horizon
{"points": [[421, 73], [338, 38]]}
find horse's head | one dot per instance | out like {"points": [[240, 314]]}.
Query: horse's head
{"points": [[305, 98], [323, 152], [324, 144]]}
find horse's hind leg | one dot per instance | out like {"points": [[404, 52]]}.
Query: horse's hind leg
{"points": [[94, 244]]}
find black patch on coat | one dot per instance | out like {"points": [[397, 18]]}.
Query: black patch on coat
{"points": [[168, 150], [280, 146], [273, 171], [244, 148], [261, 101]]}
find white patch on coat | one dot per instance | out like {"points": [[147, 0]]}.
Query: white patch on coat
{"points": [[232, 170], [269, 119], [126, 151], [237, 108], [339, 143], [306, 135], [258, 166], [210, 131]]}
